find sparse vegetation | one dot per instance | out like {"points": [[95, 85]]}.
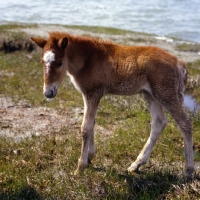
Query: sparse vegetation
{"points": [[188, 47], [41, 167]]}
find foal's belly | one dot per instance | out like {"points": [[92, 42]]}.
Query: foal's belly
{"points": [[123, 89]]}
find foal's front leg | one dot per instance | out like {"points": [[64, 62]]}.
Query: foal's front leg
{"points": [[87, 131]]}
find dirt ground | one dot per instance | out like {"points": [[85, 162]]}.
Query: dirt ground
{"points": [[19, 120]]}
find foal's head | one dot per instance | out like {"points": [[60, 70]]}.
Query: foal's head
{"points": [[53, 61]]}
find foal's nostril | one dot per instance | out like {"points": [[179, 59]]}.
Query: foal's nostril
{"points": [[49, 94]]}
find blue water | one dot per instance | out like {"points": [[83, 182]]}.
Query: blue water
{"points": [[191, 104], [171, 18]]}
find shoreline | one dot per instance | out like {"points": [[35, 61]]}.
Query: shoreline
{"points": [[184, 50], [98, 30]]}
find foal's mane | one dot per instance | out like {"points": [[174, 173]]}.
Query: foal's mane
{"points": [[55, 36]]}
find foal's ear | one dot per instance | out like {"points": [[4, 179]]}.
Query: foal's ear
{"points": [[62, 43], [39, 42]]}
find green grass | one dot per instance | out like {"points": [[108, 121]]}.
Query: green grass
{"points": [[98, 29], [41, 167], [193, 86], [11, 26], [105, 30], [188, 47], [94, 29], [10, 31]]}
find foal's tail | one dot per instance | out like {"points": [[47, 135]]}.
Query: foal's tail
{"points": [[183, 77]]}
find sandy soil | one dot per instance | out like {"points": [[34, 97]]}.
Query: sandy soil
{"points": [[19, 120]]}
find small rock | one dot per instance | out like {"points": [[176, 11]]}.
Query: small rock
{"points": [[17, 152]]}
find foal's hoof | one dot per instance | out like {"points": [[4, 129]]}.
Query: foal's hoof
{"points": [[89, 162], [133, 168], [189, 173], [76, 173], [81, 167]]}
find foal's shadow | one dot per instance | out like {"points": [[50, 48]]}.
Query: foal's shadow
{"points": [[26, 193], [156, 184]]}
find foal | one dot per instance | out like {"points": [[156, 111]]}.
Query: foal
{"points": [[96, 68]]}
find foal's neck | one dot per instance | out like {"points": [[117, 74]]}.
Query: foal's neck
{"points": [[78, 53]]}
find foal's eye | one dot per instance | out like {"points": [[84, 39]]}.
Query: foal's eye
{"points": [[59, 64]]}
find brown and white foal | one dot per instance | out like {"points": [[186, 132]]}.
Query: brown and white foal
{"points": [[98, 67]]}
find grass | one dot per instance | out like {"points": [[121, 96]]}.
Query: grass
{"points": [[41, 167], [94, 29], [98, 29], [105, 30], [11, 26], [194, 79], [188, 47]]}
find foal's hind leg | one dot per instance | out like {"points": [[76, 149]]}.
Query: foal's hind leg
{"points": [[185, 125], [91, 148], [158, 123]]}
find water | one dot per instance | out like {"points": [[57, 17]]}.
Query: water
{"points": [[191, 104], [171, 18]]}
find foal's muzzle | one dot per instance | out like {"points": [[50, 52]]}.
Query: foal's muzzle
{"points": [[50, 93]]}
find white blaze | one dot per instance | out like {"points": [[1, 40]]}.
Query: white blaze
{"points": [[48, 58]]}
